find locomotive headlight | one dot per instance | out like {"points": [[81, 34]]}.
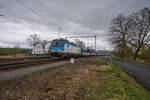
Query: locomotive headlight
{"points": [[52, 50], [60, 51]]}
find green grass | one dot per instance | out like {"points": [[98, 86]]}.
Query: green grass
{"points": [[12, 50], [131, 60], [116, 86]]}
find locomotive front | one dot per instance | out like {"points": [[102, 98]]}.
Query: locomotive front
{"points": [[57, 47]]}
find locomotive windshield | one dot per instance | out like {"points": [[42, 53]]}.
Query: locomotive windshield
{"points": [[58, 42]]}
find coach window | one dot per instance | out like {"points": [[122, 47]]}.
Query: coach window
{"points": [[43, 47]]}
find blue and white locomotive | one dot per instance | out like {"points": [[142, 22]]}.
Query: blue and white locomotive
{"points": [[62, 47]]}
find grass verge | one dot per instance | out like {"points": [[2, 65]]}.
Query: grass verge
{"points": [[8, 51], [117, 85], [131, 60]]}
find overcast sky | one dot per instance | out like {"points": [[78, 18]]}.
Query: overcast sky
{"points": [[69, 17]]}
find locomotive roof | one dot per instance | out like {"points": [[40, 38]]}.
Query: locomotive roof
{"points": [[61, 39]]}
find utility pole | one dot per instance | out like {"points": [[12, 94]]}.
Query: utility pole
{"points": [[95, 42], [59, 31], [58, 35]]}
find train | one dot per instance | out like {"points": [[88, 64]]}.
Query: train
{"points": [[64, 48]]}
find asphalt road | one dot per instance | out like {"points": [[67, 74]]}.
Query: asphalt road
{"points": [[140, 72]]}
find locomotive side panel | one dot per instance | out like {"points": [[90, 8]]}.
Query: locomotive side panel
{"points": [[68, 48]]}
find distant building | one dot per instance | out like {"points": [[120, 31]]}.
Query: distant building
{"points": [[41, 47]]}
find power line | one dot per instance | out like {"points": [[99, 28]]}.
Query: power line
{"points": [[2, 15], [1, 6], [85, 37], [35, 12]]}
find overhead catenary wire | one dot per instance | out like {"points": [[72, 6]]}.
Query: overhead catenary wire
{"points": [[37, 13], [85, 37], [1, 6], [30, 9]]}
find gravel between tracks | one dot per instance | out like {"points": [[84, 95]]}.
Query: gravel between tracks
{"points": [[10, 75]]}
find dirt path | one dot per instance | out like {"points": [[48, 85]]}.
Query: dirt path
{"points": [[140, 72]]}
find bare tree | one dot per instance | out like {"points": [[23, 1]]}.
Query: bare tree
{"points": [[120, 27], [33, 39], [141, 32]]}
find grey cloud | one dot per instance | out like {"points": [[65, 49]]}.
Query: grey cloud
{"points": [[70, 17]]}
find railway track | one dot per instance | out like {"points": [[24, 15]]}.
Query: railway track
{"points": [[15, 64], [22, 58], [8, 64]]}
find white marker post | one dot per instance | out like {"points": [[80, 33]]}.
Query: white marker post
{"points": [[72, 60]]}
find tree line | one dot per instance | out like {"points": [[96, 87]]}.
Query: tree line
{"points": [[131, 32]]}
